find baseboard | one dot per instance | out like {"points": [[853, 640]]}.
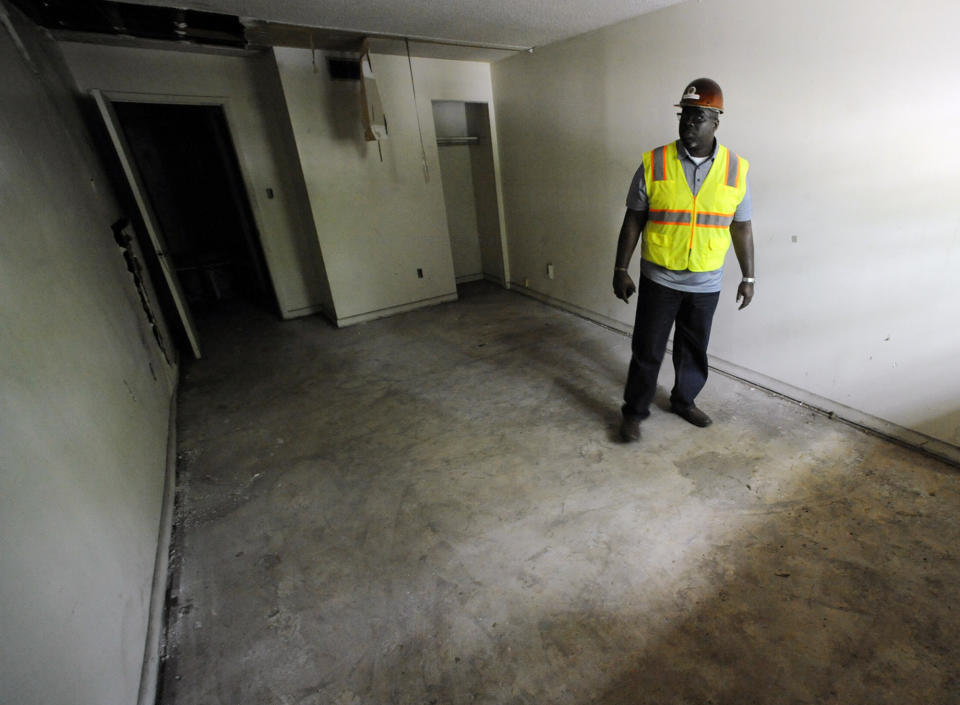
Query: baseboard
{"points": [[304, 311], [470, 278], [835, 410], [592, 316], [393, 310], [865, 422], [150, 671]]}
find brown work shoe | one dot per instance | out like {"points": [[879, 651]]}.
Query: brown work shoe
{"points": [[630, 429], [692, 414]]}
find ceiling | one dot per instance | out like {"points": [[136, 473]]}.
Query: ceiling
{"points": [[485, 30]]}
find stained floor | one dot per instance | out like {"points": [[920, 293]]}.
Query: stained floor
{"points": [[434, 509]]}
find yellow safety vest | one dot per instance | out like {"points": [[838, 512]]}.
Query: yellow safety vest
{"points": [[684, 231]]}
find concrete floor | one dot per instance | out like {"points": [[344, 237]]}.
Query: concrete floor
{"points": [[434, 509]]}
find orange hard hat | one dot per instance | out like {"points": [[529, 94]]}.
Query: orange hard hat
{"points": [[702, 93]]}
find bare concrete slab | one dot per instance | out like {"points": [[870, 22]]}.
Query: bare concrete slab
{"points": [[434, 508]]}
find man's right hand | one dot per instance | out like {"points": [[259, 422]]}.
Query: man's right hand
{"points": [[623, 285]]}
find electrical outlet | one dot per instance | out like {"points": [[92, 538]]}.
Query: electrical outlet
{"points": [[550, 271]]}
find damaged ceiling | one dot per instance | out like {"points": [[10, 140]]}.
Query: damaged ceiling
{"points": [[130, 20], [455, 29]]}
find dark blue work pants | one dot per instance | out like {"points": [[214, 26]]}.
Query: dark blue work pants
{"points": [[658, 309]]}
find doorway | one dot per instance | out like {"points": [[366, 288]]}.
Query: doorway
{"points": [[190, 173], [467, 172]]}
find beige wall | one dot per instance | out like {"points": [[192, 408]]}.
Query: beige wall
{"points": [[84, 409], [847, 115], [248, 88], [378, 222]]}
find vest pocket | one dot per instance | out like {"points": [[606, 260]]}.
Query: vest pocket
{"points": [[719, 242], [656, 238]]}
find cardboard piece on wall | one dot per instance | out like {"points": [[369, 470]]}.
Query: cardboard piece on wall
{"points": [[374, 119]]}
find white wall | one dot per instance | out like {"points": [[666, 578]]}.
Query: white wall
{"points": [[848, 115], [378, 222], [84, 409], [258, 122], [450, 118]]}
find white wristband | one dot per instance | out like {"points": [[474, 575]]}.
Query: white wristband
{"points": [[748, 280]]}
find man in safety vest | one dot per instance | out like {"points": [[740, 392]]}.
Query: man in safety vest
{"points": [[688, 199]]}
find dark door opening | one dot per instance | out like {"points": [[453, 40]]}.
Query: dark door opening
{"points": [[190, 171]]}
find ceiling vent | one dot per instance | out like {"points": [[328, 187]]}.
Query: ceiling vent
{"points": [[342, 69]]}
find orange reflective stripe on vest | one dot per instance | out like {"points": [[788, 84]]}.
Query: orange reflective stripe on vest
{"points": [[733, 169], [660, 164], [714, 220], [661, 216], [683, 231]]}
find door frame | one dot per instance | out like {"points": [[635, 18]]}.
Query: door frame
{"points": [[135, 180], [229, 113]]}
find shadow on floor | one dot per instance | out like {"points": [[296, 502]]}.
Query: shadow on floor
{"points": [[430, 509]]}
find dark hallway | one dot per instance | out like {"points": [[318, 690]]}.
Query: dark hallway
{"points": [[195, 185]]}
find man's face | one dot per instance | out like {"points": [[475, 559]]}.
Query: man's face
{"points": [[697, 127]]}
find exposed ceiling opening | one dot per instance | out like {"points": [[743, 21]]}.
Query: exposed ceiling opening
{"points": [[453, 29], [107, 21], [141, 21]]}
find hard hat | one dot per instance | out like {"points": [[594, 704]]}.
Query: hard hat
{"points": [[702, 93]]}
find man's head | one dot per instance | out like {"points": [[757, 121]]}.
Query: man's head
{"points": [[697, 127], [701, 105]]}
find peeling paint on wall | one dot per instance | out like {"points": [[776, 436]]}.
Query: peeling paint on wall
{"points": [[125, 241]]}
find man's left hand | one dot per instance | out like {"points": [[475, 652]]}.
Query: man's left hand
{"points": [[745, 292]]}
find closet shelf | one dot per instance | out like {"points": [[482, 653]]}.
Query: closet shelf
{"points": [[444, 141]]}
